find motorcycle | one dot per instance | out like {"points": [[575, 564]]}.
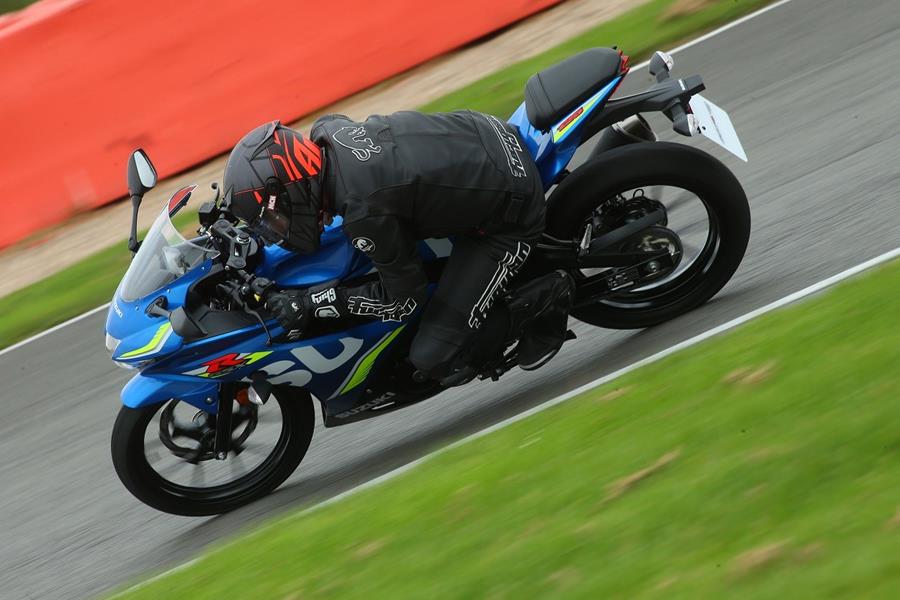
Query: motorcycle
{"points": [[220, 411]]}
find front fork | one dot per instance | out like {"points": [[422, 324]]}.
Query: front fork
{"points": [[227, 394]]}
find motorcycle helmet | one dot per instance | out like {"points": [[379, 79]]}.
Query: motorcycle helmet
{"points": [[271, 183]]}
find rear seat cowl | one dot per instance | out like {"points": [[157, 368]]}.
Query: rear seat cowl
{"points": [[553, 93]]}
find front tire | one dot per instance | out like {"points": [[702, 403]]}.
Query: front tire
{"points": [[645, 165], [129, 455]]}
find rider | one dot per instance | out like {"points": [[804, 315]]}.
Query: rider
{"points": [[397, 179]]}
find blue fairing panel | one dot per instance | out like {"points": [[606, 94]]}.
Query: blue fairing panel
{"points": [[146, 390], [554, 149], [125, 318], [335, 260], [541, 147]]}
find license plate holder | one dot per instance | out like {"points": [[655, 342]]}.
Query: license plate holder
{"points": [[715, 124]]}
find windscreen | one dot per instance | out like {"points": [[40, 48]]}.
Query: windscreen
{"points": [[165, 254]]}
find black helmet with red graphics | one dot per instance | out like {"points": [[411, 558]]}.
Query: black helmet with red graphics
{"points": [[271, 182]]}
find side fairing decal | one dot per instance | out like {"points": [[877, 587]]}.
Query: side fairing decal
{"points": [[570, 123], [362, 369], [156, 342], [225, 364]]}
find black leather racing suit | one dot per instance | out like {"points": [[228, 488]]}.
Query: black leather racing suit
{"points": [[409, 176]]}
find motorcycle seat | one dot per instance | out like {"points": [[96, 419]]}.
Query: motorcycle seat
{"points": [[553, 93]]}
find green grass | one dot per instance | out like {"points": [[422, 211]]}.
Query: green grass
{"points": [[759, 464], [639, 33], [11, 5], [72, 291], [92, 281]]}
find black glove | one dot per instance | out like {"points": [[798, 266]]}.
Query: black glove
{"points": [[260, 287], [292, 308]]}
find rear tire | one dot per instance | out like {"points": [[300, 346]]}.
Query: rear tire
{"points": [[148, 486], [657, 164]]}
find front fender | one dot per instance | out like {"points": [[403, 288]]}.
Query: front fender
{"points": [[144, 390]]}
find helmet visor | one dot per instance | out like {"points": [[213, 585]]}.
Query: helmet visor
{"points": [[273, 226]]}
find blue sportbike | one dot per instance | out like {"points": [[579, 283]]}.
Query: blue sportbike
{"points": [[220, 409]]}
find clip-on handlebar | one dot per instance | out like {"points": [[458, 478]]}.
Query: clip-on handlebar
{"points": [[236, 248]]}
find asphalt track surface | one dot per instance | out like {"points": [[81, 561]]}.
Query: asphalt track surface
{"points": [[812, 89]]}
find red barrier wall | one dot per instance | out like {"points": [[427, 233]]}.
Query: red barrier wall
{"points": [[83, 82]]}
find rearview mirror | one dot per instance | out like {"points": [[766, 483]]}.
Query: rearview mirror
{"points": [[141, 179], [141, 173]]}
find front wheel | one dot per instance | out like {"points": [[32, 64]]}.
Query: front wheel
{"points": [[164, 453], [706, 228]]}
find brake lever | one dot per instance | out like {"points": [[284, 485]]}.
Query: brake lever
{"points": [[259, 288], [262, 322], [237, 293]]}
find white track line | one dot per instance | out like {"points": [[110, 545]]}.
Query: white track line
{"points": [[789, 299], [55, 328], [724, 327], [685, 46], [722, 29]]}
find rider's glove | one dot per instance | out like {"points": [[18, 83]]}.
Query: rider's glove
{"points": [[260, 287], [292, 308]]}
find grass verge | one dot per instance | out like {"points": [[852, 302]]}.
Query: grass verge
{"points": [[759, 464], [70, 292], [654, 25], [11, 5]]}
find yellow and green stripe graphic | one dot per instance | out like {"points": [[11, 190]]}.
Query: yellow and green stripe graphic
{"points": [[560, 130], [156, 342], [364, 367]]}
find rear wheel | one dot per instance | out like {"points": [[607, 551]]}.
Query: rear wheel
{"points": [[706, 229], [163, 453]]}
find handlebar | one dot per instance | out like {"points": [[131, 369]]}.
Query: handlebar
{"points": [[249, 294], [237, 248], [247, 287]]}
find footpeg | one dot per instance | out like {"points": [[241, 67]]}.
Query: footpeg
{"points": [[459, 377]]}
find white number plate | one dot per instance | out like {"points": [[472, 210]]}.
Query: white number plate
{"points": [[715, 124]]}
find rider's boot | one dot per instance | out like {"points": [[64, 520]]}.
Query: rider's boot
{"points": [[535, 313], [539, 312], [489, 343]]}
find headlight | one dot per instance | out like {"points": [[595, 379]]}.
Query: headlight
{"points": [[112, 343]]}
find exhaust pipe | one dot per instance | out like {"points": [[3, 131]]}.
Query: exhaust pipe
{"points": [[632, 130]]}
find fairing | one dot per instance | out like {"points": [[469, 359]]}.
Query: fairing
{"points": [[331, 367], [554, 149]]}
